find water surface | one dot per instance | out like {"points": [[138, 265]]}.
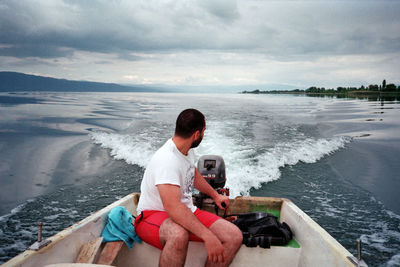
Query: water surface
{"points": [[66, 155]]}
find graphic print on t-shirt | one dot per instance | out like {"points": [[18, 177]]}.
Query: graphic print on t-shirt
{"points": [[188, 182]]}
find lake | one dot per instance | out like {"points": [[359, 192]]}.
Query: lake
{"points": [[65, 155]]}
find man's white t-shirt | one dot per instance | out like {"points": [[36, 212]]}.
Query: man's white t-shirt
{"points": [[167, 166]]}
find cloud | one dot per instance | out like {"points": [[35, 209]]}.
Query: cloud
{"points": [[226, 10], [36, 27], [225, 36]]}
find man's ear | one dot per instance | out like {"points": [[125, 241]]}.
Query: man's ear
{"points": [[196, 134]]}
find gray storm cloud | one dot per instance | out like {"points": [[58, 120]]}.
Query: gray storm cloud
{"points": [[52, 28], [279, 30]]}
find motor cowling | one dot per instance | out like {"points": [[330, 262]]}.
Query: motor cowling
{"points": [[212, 168]]}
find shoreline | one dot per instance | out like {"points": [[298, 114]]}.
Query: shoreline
{"points": [[349, 94]]}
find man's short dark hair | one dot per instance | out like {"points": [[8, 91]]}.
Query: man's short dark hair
{"points": [[188, 122]]}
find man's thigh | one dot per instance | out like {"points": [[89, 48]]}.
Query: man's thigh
{"points": [[147, 226], [207, 219], [225, 230], [170, 228], [154, 227]]}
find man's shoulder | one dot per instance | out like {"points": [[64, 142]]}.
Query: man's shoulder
{"points": [[164, 154], [165, 151]]}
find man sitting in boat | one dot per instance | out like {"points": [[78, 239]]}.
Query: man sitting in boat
{"points": [[167, 217]]}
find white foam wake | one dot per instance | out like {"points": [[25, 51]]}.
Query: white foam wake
{"points": [[253, 172], [133, 149], [247, 166]]}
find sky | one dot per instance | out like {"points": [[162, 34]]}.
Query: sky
{"points": [[227, 43]]}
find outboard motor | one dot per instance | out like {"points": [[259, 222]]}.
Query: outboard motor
{"points": [[212, 168]]}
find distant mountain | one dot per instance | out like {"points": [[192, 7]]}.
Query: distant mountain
{"points": [[15, 81]]}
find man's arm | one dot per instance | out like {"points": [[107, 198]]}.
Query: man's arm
{"points": [[201, 184], [182, 215]]}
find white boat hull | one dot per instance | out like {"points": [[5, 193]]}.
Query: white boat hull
{"points": [[317, 247]]}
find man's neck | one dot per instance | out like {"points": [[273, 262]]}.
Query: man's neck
{"points": [[182, 144]]}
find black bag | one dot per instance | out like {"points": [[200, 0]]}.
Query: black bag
{"points": [[262, 229]]}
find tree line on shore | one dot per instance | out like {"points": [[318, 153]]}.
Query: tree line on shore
{"points": [[372, 88]]}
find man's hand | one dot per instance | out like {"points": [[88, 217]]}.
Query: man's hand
{"points": [[201, 184], [219, 199], [215, 250]]}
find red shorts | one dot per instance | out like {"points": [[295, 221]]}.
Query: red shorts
{"points": [[148, 223]]}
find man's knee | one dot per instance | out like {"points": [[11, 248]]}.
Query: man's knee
{"points": [[235, 235], [179, 234], [172, 232], [227, 232]]}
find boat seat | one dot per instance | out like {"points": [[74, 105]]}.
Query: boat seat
{"points": [[110, 252], [94, 252], [90, 251]]}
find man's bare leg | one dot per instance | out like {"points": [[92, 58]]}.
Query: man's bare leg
{"points": [[231, 238], [175, 240]]}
